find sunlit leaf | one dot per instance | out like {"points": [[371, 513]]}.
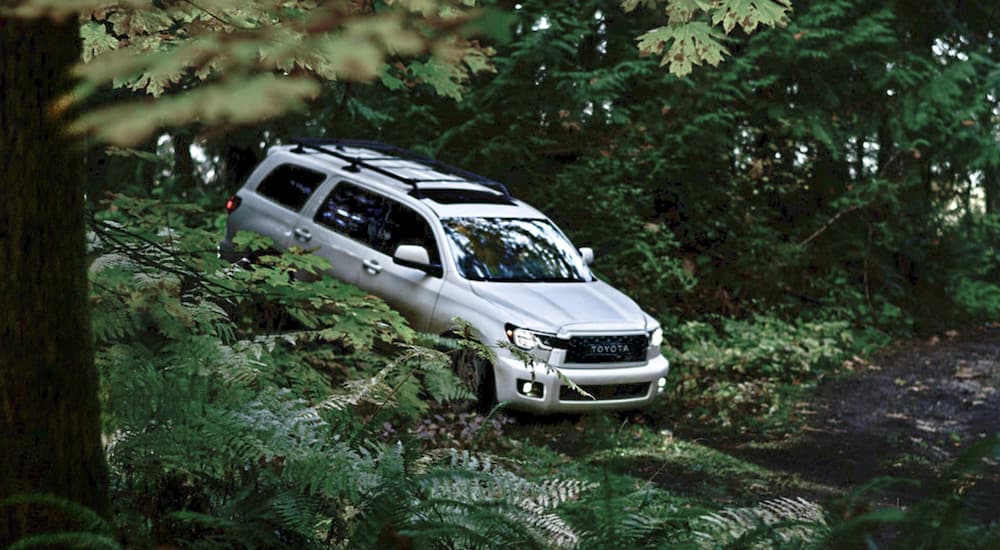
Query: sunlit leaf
{"points": [[682, 11], [95, 40], [750, 13], [233, 101], [686, 45]]}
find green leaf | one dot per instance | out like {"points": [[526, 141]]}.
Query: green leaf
{"points": [[445, 79], [682, 11], [690, 44], [750, 13], [252, 241], [95, 40]]}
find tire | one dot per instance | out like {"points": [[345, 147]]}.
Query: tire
{"points": [[478, 377]]}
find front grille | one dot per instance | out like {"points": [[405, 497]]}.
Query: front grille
{"points": [[605, 392], [607, 349]]}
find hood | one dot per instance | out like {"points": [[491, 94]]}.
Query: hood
{"points": [[550, 307]]}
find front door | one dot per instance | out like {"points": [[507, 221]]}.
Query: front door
{"points": [[358, 231]]}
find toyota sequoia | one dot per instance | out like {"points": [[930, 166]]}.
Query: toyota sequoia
{"points": [[437, 243]]}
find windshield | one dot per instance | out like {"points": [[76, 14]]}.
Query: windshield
{"points": [[507, 250]]}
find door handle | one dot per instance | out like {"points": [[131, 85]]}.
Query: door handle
{"points": [[302, 234], [372, 267]]}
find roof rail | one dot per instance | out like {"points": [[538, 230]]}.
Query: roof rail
{"points": [[323, 145]]}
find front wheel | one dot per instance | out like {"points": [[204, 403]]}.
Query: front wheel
{"points": [[477, 375]]}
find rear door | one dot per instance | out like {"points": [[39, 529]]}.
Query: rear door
{"points": [[273, 208], [338, 228]]}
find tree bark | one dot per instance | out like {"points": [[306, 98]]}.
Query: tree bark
{"points": [[50, 438]]}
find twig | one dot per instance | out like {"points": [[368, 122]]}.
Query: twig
{"points": [[392, 393], [198, 279], [838, 215], [830, 222]]}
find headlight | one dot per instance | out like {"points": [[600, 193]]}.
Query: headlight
{"points": [[656, 337], [529, 339]]}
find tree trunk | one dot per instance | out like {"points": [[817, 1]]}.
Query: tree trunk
{"points": [[50, 439], [241, 155], [991, 185], [184, 170]]}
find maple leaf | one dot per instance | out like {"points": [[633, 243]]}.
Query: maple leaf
{"points": [[95, 40], [445, 79], [686, 45]]}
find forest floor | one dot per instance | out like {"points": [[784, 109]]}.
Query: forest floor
{"points": [[907, 413]]}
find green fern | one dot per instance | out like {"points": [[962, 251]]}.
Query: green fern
{"points": [[775, 523]]}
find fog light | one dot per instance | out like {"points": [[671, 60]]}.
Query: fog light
{"points": [[660, 384], [528, 388]]}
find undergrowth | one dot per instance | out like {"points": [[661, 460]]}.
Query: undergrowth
{"points": [[748, 371], [258, 406]]}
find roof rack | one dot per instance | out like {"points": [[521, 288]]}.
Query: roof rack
{"points": [[336, 148]]}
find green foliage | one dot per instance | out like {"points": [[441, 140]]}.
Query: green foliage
{"points": [[687, 41], [690, 44], [830, 187], [777, 523], [946, 517], [220, 62], [244, 404], [974, 289], [93, 531], [613, 517], [738, 372]]}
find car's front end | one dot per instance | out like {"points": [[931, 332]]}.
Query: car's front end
{"points": [[571, 347], [581, 367]]}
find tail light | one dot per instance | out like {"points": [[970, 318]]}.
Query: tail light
{"points": [[233, 203]]}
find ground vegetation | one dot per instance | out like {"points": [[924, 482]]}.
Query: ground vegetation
{"points": [[828, 188]]}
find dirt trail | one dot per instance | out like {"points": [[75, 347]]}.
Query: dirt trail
{"points": [[907, 414]]}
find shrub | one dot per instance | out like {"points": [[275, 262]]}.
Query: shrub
{"points": [[737, 371]]}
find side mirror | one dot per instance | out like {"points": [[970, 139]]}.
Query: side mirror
{"points": [[416, 257], [588, 255]]}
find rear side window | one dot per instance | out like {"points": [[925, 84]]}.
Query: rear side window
{"points": [[377, 221], [290, 185]]}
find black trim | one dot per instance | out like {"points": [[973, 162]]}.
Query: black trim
{"points": [[605, 392], [434, 270], [323, 145], [607, 348]]}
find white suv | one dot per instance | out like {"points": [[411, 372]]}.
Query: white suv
{"points": [[439, 243]]}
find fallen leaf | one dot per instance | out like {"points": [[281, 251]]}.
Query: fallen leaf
{"points": [[925, 426], [965, 373]]}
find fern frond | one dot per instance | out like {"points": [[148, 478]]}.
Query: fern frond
{"points": [[777, 521]]}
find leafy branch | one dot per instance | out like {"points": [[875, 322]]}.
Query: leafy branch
{"points": [[691, 38]]}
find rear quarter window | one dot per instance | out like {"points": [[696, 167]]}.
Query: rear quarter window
{"points": [[290, 185]]}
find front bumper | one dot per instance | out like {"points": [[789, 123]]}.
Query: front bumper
{"points": [[509, 370]]}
